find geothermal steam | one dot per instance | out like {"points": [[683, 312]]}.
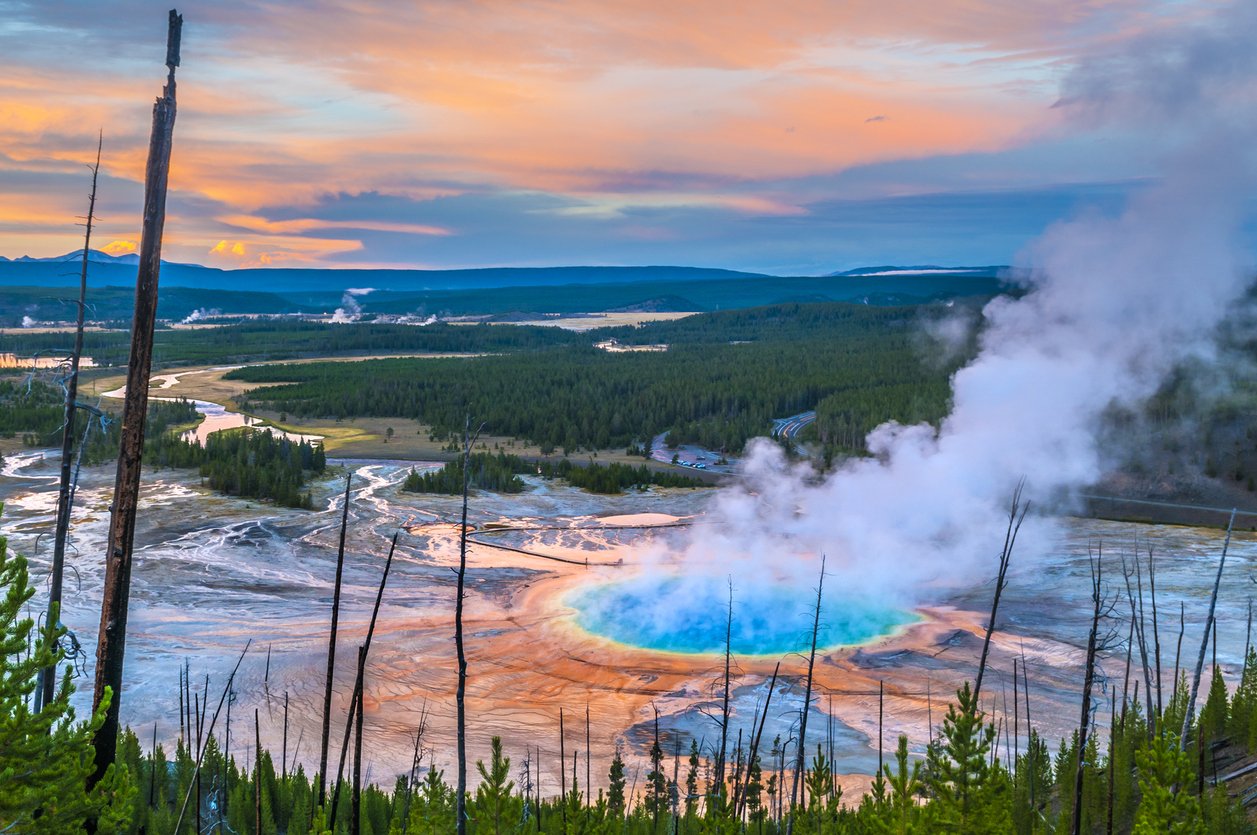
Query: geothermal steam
{"points": [[1112, 304]]}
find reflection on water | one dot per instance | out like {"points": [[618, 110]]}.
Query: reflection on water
{"points": [[217, 417]]}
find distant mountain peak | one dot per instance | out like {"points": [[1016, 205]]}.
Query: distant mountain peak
{"points": [[96, 255]]}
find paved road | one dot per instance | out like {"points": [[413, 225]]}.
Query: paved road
{"points": [[791, 427]]}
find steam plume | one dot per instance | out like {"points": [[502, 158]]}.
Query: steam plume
{"points": [[1112, 305]]}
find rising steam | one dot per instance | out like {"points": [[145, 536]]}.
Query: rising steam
{"points": [[350, 310], [1112, 304]]}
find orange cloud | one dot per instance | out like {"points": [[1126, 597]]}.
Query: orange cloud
{"points": [[432, 99], [120, 247]]}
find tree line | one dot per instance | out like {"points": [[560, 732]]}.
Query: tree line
{"points": [[249, 463], [723, 385], [500, 474]]}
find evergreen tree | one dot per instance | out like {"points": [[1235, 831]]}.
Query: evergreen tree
{"points": [[45, 756], [495, 808], [970, 794], [615, 790], [1167, 807]]}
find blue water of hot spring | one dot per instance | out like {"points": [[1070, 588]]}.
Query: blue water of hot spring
{"points": [[688, 615]]}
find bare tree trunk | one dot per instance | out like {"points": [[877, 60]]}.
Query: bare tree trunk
{"points": [[111, 640], [1248, 638], [257, 774], [1016, 724], [881, 704], [1136, 615], [1016, 515], [1025, 684], [1084, 723], [724, 704], [1156, 632], [152, 771], [331, 646], [1178, 650], [563, 767], [355, 701], [355, 806], [763, 718], [1204, 643], [800, 761], [196, 772], [181, 710], [65, 499], [460, 695], [1108, 816], [284, 767], [589, 786]]}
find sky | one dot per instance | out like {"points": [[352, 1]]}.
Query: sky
{"points": [[790, 137]]}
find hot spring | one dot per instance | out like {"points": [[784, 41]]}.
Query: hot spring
{"points": [[688, 615]]}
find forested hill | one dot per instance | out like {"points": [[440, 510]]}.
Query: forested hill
{"points": [[722, 381], [500, 293]]}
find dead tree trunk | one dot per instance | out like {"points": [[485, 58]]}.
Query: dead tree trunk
{"points": [[801, 758], [209, 732], [283, 769], [1178, 649], [257, 773], [763, 718], [111, 641], [355, 806], [355, 701], [1156, 633], [563, 770], [589, 786], [48, 676], [460, 696], [724, 701], [1016, 515], [1204, 643], [1136, 615], [1108, 813], [331, 646], [1084, 723]]}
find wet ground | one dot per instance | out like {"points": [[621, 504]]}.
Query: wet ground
{"points": [[212, 573]]}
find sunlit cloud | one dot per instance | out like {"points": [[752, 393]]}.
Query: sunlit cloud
{"points": [[120, 247], [586, 116]]}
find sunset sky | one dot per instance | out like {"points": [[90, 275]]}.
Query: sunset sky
{"points": [[794, 136]]}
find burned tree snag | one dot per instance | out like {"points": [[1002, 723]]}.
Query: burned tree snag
{"points": [[1016, 515], [801, 761], [111, 643], [331, 646], [48, 675], [1204, 641], [460, 695]]}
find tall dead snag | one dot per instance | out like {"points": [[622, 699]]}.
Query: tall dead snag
{"points": [[111, 643], [355, 806], [1137, 617], [48, 675], [460, 696], [1204, 641], [355, 702], [1101, 608], [719, 786], [331, 646], [589, 786], [1016, 515], [257, 773], [754, 753], [801, 760], [1156, 632]]}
